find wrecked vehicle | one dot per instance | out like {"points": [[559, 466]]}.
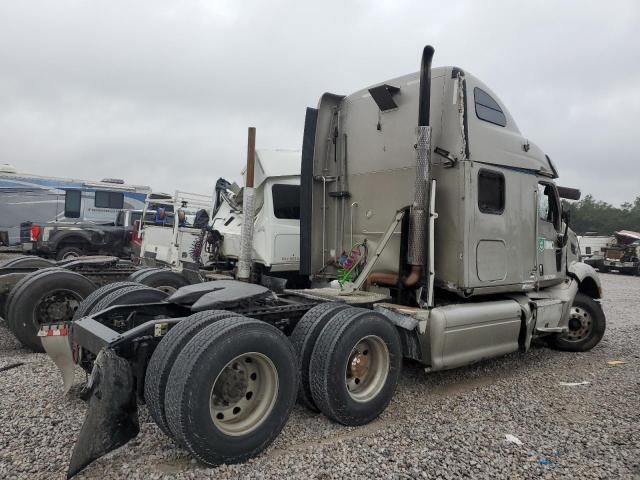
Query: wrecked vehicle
{"points": [[168, 241], [275, 253], [445, 244], [622, 255]]}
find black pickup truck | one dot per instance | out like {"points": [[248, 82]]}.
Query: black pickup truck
{"points": [[63, 240]]}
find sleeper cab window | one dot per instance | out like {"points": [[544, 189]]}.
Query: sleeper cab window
{"points": [[109, 200], [491, 192], [487, 108], [286, 201]]}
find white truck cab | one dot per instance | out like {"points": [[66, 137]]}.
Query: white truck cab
{"points": [[276, 241]]}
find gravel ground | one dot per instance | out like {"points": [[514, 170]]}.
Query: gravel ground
{"points": [[441, 425]]}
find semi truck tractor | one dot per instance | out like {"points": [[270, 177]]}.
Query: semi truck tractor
{"points": [[431, 229]]}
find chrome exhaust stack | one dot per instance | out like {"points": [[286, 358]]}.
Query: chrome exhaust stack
{"points": [[417, 252]]}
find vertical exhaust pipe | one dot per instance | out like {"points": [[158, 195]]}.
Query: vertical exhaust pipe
{"points": [[417, 248], [249, 209]]}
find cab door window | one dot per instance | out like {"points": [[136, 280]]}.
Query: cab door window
{"points": [[548, 208]]}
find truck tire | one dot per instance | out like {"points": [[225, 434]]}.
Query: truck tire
{"points": [[27, 261], [88, 303], [147, 271], [165, 355], [134, 276], [165, 280], [587, 324], [231, 390], [18, 285], [129, 296], [46, 296], [67, 252], [355, 366], [304, 338]]}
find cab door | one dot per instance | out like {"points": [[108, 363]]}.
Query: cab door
{"points": [[549, 250]]}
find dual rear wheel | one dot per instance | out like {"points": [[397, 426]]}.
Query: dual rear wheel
{"points": [[350, 361], [222, 385]]}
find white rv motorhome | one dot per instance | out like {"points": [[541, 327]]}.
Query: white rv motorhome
{"points": [[32, 198], [594, 245]]}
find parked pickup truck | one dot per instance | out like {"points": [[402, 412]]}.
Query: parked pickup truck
{"points": [[64, 240]]}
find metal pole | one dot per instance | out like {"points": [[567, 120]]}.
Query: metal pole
{"points": [[248, 208]]}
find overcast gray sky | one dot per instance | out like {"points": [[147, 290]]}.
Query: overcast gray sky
{"points": [[161, 92]]}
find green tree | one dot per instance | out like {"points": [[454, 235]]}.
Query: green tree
{"points": [[595, 216]]}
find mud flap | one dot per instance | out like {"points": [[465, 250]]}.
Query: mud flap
{"points": [[112, 417], [55, 341]]}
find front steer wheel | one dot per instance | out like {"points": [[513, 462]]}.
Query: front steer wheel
{"points": [[587, 324], [231, 390], [355, 366]]}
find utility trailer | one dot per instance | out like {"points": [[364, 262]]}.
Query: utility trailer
{"points": [[445, 244]]}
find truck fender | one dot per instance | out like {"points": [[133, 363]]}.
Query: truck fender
{"points": [[587, 278], [74, 236], [565, 291]]}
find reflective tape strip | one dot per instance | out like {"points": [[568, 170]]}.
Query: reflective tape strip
{"points": [[53, 331]]}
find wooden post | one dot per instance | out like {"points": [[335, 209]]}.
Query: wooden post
{"points": [[251, 158]]}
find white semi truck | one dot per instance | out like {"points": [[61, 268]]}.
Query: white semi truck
{"points": [[431, 228], [215, 247], [276, 239]]}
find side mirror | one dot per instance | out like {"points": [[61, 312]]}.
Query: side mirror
{"points": [[569, 193], [566, 217]]}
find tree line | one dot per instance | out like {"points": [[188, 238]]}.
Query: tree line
{"points": [[602, 218]]}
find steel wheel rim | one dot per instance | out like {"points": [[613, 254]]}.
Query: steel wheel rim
{"points": [[243, 394], [51, 307], [580, 324], [367, 368], [69, 255]]}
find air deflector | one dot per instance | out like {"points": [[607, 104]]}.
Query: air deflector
{"points": [[383, 96]]}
